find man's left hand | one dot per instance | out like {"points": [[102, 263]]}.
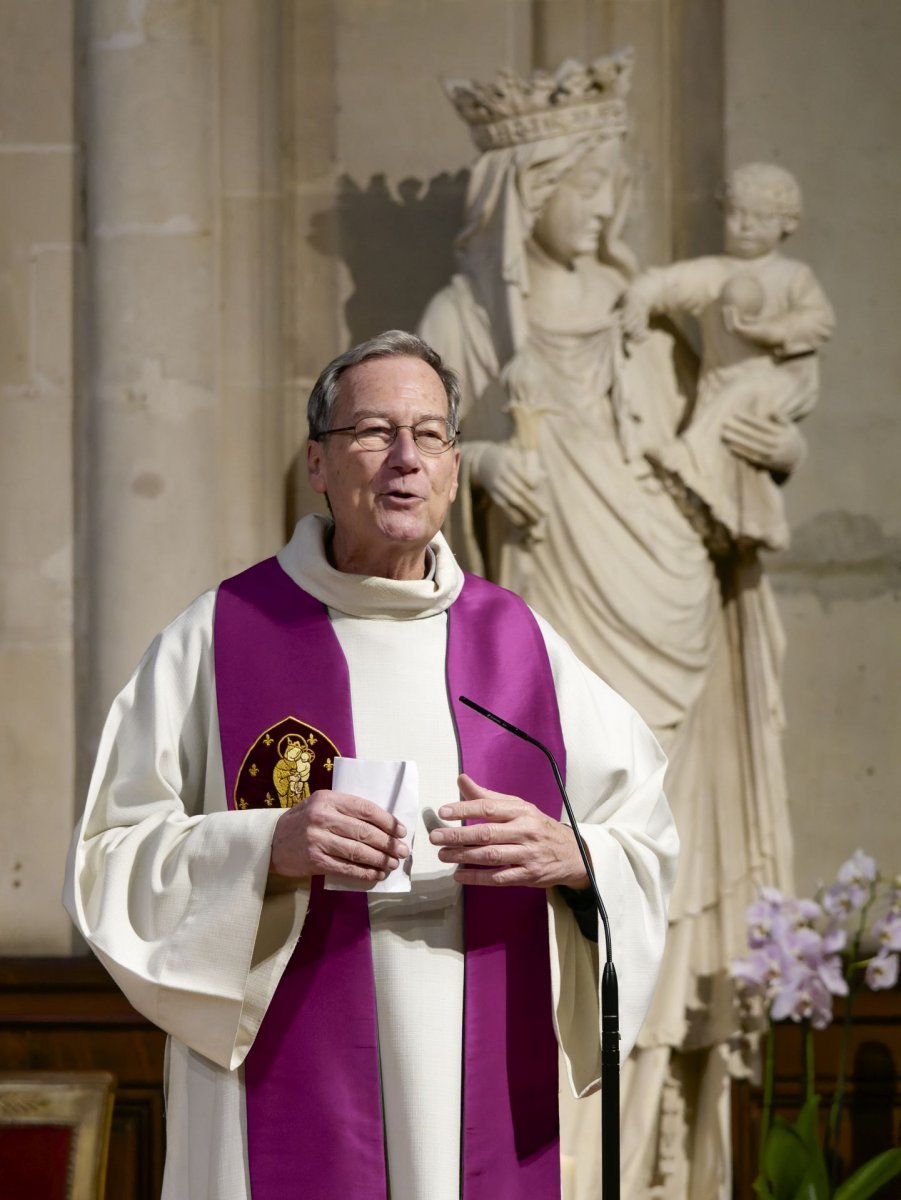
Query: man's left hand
{"points": [[514, 845]]}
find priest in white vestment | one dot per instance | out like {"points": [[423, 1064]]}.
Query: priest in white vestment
{"points": [[196, 899]]}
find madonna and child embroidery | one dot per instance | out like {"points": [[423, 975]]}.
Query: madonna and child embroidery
{"points": [[285, 765]]}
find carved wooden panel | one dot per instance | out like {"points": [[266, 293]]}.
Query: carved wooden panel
{"points": [[66, 1014]]}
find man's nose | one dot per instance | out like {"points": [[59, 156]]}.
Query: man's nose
{"points": [[403, 451]]}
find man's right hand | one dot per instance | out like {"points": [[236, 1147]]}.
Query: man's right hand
{"points": [[334, 833]]}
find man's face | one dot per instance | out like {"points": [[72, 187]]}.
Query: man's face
{"points": [[387, 504]]}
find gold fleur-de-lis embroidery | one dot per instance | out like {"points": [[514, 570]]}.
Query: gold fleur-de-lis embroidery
{"points": [[267, 740], [270, 799], [312, 740], [242, 803], [254, 770], [328, 764]]}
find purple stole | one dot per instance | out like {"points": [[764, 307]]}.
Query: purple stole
{"points": [[314, 1110]]}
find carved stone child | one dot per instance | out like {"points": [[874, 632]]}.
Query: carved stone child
{"points": [[762, 317]]}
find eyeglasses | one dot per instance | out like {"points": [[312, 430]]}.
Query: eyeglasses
{"points": [[434, 435]]}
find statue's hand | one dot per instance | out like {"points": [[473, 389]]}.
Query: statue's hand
{"points": [[765, 331], [635, 315], [515, 481], [769, 441]]}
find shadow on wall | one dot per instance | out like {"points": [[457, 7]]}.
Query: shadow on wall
{"points": [[397, 246]]}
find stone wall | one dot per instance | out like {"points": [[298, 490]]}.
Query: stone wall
{"points": [[812, 85], [203, 201], [39, 256]]}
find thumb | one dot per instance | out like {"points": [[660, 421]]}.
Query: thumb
{"points": [[469, 789]]}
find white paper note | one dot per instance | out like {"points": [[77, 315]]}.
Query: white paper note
{"points": [[394, 786]]}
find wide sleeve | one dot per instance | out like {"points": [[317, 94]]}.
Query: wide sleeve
{"points": [[807, 320], [686, 286], [614, 777], [165, 883]]}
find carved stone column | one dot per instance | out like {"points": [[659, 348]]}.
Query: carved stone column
{"points": [[150, 429], [180, 466], [38, 252]]}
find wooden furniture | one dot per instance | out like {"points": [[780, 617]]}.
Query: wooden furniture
{"points": [[871, 1120], [54, 1133], [66, 1014]]}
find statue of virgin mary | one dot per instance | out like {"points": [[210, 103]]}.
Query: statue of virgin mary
{"points": [[559, 502]]}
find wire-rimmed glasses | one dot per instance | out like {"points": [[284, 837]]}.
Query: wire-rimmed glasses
{"points": [[432, 435]]}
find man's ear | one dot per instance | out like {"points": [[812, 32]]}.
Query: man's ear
{"points": [[455, 483], [316, 467]]}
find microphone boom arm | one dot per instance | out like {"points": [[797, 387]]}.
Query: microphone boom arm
{"points": [[610, 1165]]}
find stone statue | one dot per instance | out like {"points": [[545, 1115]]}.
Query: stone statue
{"points": [[762, 317], [566, 498]]}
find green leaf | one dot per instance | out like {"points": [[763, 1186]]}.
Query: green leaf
{"points": [[762, 1189], [807, 1124], [793, 1162], [815, 1183], [785, 1159], [871, 1176]]}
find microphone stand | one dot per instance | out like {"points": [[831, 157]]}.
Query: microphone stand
{"points": [[610, 1179]]}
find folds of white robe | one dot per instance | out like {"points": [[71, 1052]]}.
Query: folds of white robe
{"points": [[169, 887]]}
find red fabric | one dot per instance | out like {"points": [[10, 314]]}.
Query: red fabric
{"points": [[34, 1161]]}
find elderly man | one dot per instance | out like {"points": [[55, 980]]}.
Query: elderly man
{"points": [[327, 1043]]}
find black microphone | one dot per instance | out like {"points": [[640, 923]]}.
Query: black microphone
{"points": [[609, 988]]}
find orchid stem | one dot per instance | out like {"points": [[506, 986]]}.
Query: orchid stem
{"points": [[766, 1119], [833, 1127]]}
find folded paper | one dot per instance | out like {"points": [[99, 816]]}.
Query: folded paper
{"points": [[393, 786]]}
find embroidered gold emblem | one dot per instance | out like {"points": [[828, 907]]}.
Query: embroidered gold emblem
{"points": [[283, 768], [291, 774]]}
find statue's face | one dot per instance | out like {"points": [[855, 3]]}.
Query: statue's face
{"points": [[752, 228], [571, 223]]}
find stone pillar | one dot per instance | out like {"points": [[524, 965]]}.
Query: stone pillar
{"points": [[142, 441], [38, 252], [251, 65], [150, 429], [181, 455], [314, 276]]}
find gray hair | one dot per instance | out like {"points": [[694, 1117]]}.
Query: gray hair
{"points": [[394, 343]]}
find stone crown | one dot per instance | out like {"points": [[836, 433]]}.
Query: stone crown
{"points": [[573, 99]]}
